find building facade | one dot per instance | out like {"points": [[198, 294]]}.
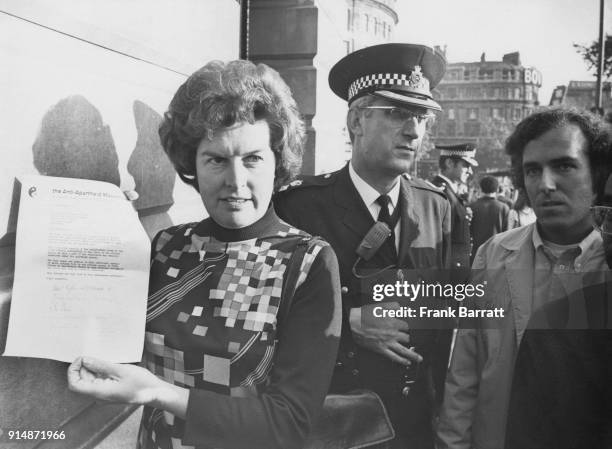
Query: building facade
{"points": [[582, 94], [369, 22], [481, 102]]}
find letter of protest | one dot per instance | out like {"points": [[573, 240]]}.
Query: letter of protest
{"points": [[81, 272]]}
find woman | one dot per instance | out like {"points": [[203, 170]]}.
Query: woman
{"points": [[216, 294]]}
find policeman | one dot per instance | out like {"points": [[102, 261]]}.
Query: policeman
{"points": [[456, 162], [388, 92]]}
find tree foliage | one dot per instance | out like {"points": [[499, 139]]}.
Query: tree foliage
{"points": [[490, 154], [590, 53]]}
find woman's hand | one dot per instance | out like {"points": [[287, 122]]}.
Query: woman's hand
{"points": [[113, 381], [126, 383]]}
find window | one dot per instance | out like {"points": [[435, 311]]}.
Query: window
{"points": [[349, 17], [452, 92], [466, 74], [485, 74], [472, 113], [451, 128], [517, 93], [516, 114], [347, 45], [496, 112], [367, 22], [451, 114], [471, 129]]}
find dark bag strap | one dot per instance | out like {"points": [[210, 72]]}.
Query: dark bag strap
{"points": [[292, 274]]}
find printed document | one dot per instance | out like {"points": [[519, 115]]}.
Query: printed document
{"points": [[81, 273]]}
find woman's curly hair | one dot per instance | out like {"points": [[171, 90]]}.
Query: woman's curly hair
{"points": [[222, 94]]}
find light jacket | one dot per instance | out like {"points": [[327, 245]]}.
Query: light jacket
{"points": [[478, 383]]}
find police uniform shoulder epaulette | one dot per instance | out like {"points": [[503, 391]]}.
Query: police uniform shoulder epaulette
{"points": [[309, 181], [426, 185]]}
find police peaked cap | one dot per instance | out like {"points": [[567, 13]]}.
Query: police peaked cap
{"points": [[400, 73], [465, 151]]}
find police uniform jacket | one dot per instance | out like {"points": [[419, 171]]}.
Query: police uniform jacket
{"points": [[460, 226], [331, 207]]}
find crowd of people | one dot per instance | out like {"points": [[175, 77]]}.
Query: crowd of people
{"points": [[252, 321]]}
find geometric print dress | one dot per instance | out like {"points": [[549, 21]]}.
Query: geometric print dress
{"points": [[212, 310]]}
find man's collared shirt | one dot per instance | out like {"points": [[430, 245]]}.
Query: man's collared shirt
{"points": [[589, 258], [369, 195], [559, 272]]}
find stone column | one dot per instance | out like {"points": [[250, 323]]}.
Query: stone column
{"points": [[283, 35]]}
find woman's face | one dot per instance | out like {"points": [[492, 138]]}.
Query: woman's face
{"points": [[235, 173]]}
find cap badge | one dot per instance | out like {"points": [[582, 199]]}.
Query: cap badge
{"points": [[415, 77]]}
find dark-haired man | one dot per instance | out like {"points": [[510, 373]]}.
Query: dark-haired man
{"points": [[558, 157], [489, 215], [561, 392]]}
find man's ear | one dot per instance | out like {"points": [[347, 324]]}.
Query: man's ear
{"points": [[448, 163], [354, 122]]}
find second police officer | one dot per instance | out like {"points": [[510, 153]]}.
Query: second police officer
{"points": [[456, 162]]}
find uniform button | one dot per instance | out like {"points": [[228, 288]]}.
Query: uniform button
{"points": [[344, 290], [458, 264], [405, 391], [350, 354], [339, 364], [355, 372]]}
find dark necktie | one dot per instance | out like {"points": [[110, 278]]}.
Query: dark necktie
{"points": [[384, 216], [383, 201]]}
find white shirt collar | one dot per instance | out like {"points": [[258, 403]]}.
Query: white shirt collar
{"points": [[369, 194], [590, 246]]}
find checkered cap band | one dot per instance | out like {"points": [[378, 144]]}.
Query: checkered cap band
{"points": [[458, 153], [409, 82]]}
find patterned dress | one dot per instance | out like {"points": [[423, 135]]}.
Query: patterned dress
{"points": [[214, 298]]}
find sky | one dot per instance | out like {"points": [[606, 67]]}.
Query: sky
{"points": [[543, 31]]}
